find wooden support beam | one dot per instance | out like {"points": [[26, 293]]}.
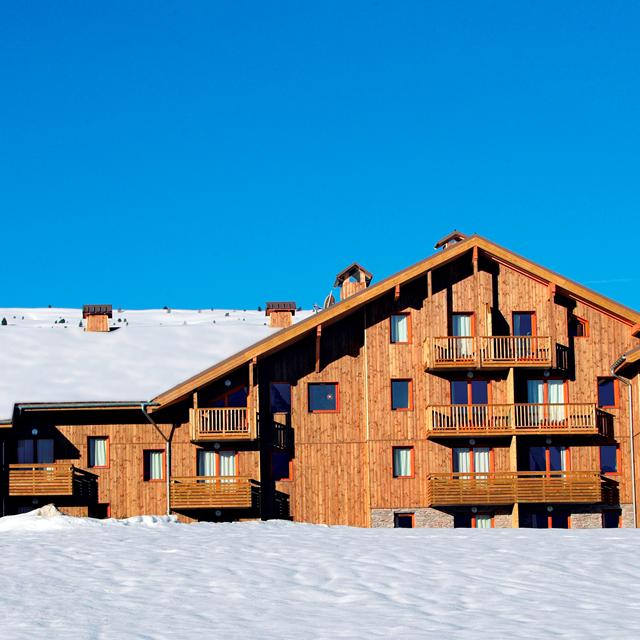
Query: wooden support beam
{"points": [[251, 399], [551, 288], [195, 399], [480, 329], [318, 335], [429, 284], [396, 293]]}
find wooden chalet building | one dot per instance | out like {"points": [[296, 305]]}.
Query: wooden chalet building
{"points": [[475, 388]]}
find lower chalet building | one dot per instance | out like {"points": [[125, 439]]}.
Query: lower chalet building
{"points": [[473, 389]]}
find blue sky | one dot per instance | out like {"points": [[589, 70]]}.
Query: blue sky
{"points": [[199, 154]]}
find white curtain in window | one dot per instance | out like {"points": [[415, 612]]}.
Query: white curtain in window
{"points": [[556, 397], [535, 395], [206, 463], [462, 459], [483, 521], [402, 462], [155, 465], [98, 452], [481, 460], [25, 451], [461, 325], [227, 463], [399, 328], [563, 458]]}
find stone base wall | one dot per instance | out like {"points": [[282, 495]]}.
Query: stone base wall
{"points": [[586, 520], [503, 521], [627, 515], [433, 518]]}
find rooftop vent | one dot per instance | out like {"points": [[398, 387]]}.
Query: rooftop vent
{"points": [[97, 316], [280, 314], [353, 279], [452, 238]]}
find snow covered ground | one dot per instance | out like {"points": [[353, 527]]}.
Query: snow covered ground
{"points": [[43, 360], [152, 578]]}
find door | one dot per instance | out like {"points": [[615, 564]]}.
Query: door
{"points": [[524, 327], [462, 328], [227, 465], [472, 460], [470, 398], [35, 450], [548, 459], [206, 464], [548, 398]]}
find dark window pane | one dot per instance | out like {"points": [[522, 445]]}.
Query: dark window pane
{"points": [[537, 459], [459, 393], [522, 324], [45, 450], [577, 328], [403, 521], [280, 465], [606, 392], [556, 459], [480, 392], [611, 519], [539, 520], [559, 519], [462, 520], [323, 397], [400, 394], [237, 398], [609, 458], [280, 397]]}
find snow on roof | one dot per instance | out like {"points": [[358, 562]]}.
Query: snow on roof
{"points": [[43, 360]]}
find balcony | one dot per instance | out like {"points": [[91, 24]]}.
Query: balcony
{"points": [[517, 419], [487, 352], [51, 479], [509, 487], [213, 492], [226, 423]]}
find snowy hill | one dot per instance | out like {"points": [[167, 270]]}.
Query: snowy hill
{"points": [[43, 360], [148, 577]]}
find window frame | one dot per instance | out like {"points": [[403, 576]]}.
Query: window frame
{"points": [[337, 393], [225, 396], [271, 384], [472, 462], [470, 382], [618, 460], [616, 393], [409, 339], [409, 406], [404, 514], [474, 519], [472, 314], [145, 452], [216, 462], [618, 512], [412, 462], [547, 458], [98, 466], [579, 320]]}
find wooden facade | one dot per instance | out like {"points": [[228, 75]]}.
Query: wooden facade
{"points": [[337, 462]]}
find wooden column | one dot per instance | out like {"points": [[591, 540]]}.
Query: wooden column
{"points": [[551, 290], [318, 336], [513, 466], [252, 401], [480, 329]]}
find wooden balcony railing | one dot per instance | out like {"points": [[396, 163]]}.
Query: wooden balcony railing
{"points": [[213, 492], [50, 479], [220, 424], [514, 419], [508, 487], [450, 352]]}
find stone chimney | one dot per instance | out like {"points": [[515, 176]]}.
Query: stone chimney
{"points": [[452, 238], [280, 314], [353, 279], [96, 317]]}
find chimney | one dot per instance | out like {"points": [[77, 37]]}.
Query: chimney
{"points": [[353, 279], [280, 314], [452, 238], [96, 317]]}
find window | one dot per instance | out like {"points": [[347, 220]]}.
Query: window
{"points": [[35, 450], [611, 519], [546, 518], [323, 397], [609, 454], [401, 395], [216, 463], [281, 466], [524, 323], [153, 465], [550, 398], [403, 520], [466, 520], [462, 324], [578, 328], [403, 462], [98, 452], [607, 393], [400, 328], [280, 397], [471, 398], [548, 458], [236, 397], [472, 460]]}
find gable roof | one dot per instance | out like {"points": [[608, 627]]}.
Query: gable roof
{"points": [[291, 334], [352, 270]]}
